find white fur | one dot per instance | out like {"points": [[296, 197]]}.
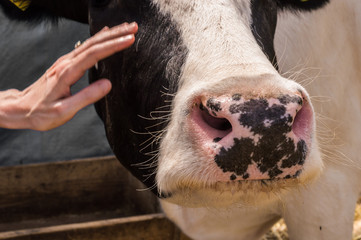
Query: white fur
{"points": [[224, 57], [327, 56]]}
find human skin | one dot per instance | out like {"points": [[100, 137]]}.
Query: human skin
{"points": [[48, 102]]}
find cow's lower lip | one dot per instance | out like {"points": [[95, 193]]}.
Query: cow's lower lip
{"points": [[238, 185], [223, 194]]}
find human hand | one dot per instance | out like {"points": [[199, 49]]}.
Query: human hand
{"points": [[48, 102]]}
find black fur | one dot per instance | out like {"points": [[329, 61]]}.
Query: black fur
{"points": [[139, 76], [47, 10], [264, 22], [300, 5], [33, 15]]}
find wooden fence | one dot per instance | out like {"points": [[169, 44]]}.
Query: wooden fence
{"points": [[81, 199]]}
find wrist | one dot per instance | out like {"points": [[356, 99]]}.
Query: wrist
{"points": [[12, 112]]}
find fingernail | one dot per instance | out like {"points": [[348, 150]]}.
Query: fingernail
{"points": [[133, 24], [128, 37]]}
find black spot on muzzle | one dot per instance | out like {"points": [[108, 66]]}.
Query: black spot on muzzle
{"points": [[270, 148]]}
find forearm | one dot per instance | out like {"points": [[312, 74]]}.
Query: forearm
{"points": [[13, 114]]}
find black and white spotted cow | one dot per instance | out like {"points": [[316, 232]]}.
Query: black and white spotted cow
{"points": [[210, 110]]}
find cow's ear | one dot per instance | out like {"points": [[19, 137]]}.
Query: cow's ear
{"points": [[39, 10]]}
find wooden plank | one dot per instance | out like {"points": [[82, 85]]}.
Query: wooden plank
{"points": [[148, 227], [74, 187]]}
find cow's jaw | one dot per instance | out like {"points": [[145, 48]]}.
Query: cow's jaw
{"points": [[224, 59]]}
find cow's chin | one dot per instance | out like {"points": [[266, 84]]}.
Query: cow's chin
{"points": [[248, 193]]}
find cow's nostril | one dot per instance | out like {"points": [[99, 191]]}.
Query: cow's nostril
{"points": [[303, 121], [220, 124], [208, 124]]}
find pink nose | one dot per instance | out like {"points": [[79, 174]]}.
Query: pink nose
{"points": [[254, 138]]}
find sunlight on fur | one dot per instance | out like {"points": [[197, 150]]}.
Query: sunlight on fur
{"points": [[279, 230]]}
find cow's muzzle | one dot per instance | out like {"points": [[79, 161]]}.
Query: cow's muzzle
{"points": [[253, 138]]}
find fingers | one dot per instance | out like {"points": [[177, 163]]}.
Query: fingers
{"points": [[44, 116], [89, 95], [106, 34], [55, 106], [105, 43], [89, 58]]}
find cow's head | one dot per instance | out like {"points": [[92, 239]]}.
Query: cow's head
{"points": [[198, 110]]}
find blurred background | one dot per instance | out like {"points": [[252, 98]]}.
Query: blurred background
{"points": [[89, 191], [26, 52]]}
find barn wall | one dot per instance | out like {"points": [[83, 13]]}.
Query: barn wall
{"points": [[25, 54]]}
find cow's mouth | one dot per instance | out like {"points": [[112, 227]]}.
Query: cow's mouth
{"points": [[222, 194], [244, 186]]}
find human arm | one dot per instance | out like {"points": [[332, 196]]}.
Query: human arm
{"points": [[48, 102]]}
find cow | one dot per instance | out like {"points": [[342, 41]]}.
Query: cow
{"points": [[236, 113]]}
